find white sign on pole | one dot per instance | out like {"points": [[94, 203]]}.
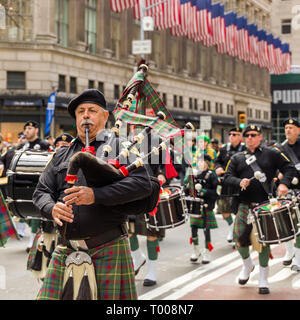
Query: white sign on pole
{"points": [[2, 17], [141, 47], [148, 24], [205, 123]]}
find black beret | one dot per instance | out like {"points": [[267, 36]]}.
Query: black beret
{"points": [[64, 137], [31, 123], [291, 121], [237, 129], [89, 95], [252, 127], [214, 140]]}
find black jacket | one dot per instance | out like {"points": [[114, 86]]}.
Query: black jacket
{"points": [[226, 152], [37, 144], [269, 160], [93, 219]]}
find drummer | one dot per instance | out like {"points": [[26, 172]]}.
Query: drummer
{"points": [[33, 142], [240, 173], [64, 139], [226, 200], [291, 147], [206, 183]]}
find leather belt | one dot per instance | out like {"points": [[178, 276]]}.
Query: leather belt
{"points": [[104, 237]]}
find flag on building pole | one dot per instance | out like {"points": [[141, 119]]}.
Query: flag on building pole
{"points": [[50, 112]]}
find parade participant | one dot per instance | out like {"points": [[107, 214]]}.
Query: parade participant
{"points": [[238, 173], [33, 142], [291, 147], [138, 226], [215, 144], [206, 182], [87, 210], [202, 148], [63, 140], [225, 201]]}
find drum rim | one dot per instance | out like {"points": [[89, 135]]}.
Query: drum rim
{"points": [[283, 207]]}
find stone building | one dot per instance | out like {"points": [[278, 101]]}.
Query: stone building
{"points": [[71, 45]]}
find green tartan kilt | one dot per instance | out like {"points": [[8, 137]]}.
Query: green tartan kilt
{"points": [[211, 222], [113, 269], [240, 221], [224, 205], [141, 228]]}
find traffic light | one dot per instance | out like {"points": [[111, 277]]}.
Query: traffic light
{"points": [[242, 120]]}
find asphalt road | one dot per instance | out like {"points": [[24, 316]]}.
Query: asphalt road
{"points": [[177, 277]]}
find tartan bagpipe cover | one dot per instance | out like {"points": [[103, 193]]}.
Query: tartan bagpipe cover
{"points": [[7, 229], [148, 98]]}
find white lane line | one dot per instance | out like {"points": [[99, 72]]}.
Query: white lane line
{"points": [[192, 275], [212, 276]]}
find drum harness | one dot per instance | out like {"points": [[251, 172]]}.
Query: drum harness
{"points": [[290, 152]]}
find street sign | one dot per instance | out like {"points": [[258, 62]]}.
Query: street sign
{"points": [[205, 123], [148, 24], [141, 47]]}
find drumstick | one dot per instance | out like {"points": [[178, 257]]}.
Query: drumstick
{"points": [[257, 175]]}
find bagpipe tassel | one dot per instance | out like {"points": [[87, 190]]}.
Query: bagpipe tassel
{"points": [[84, 292], [68, 289]]}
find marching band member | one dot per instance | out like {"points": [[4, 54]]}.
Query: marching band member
{"points": [[239, 173], [87, 210], [225, 202], [291, 147], [206, 185], [64, 139]]}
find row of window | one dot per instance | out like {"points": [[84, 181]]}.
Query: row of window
{"points": [[16, 80]]}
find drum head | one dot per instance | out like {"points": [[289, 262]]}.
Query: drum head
{"points": [[266, 207], [170, 192]]}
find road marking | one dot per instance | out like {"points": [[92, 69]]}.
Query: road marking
{"points": [[192, 275]]}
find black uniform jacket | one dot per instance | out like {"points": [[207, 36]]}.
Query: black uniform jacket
{"points": [[286, 148], [226, 152], [106, 212], [209, 182], [37, 144], [269, 161]]}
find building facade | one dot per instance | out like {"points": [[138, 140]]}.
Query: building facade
{"points": [[72, 45], [285, 88]]}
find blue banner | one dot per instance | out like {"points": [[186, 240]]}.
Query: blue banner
{"points": [[50, 112]]}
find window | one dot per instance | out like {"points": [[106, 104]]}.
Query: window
{"points": [[286, 26], [101, 86], [204, 105], [164, 98], [73, 85], [266, 115], [62, 22], [208, 106], [116, 91], [61, 83], [175, 101], [16, 80], [195, 104], [181, 102], [91, 84], [90, 25], [257, 114], [217, 107], [230, 109], [191, 103], [221, 107]]}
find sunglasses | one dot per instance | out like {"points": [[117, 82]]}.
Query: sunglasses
{"points": [[253, 135], [234, 134]]}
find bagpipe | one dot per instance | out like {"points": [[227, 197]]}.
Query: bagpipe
{"points": [[100, 171]]}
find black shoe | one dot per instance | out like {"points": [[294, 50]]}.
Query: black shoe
{"points": [[287, 262], [243, 281], [294, 267], [27, 250], [263, 290], [149, 283], [138, 269]]}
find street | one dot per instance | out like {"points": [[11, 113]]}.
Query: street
{"points": [[178, 278]]}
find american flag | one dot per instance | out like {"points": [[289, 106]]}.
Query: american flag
{"points": [[120, 5], [253, 43], [263, 56], [278, 56], [242, 39], [169, 15], [230, 31], [286, 57], [217, 23], [204, 22]]}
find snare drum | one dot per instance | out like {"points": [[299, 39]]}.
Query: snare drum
{"points": [[276, 223], [171, 210], [194, 206], [23, 176]]}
